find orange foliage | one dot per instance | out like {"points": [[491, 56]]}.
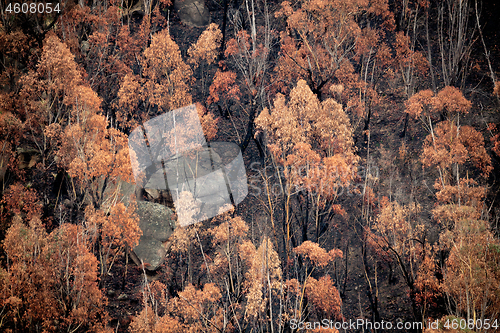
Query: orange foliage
{"points": [[317, 254], [324, 297], [130, 45], [208, 122], [311, 136], [263, 277], [56, 91], [223, 87], [166, 75], [249, 53], [101, 72], [192, 310], [194, 305], [398, 237], [52, 279], [228, 238], [312, 142], [394, 231], [472, 270], [165, 79], [420, 103], [129, 97], [407, 58], [325, 40], [495, 139], [449, 101], [147, 321], [94, 155], [230, 229], [117, 231], [162, 85], [20, 200], [449, 148], [206, 47], [428, 286]]}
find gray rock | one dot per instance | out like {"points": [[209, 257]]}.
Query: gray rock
{"points": [[193, 12], [155, 220], [85, 47], [152, 193], [151, 252], [157, 226]]}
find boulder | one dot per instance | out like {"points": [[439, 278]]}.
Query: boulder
{"points": [[157, 226], [155, 220], [150, 251], [152, 193], [193, 12], [85, 47]]}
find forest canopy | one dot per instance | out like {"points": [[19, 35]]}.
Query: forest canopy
{"points": [[369, 132]]}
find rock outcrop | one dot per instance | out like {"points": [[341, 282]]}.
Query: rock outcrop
{"points": [[157, 226], [193, 12]]}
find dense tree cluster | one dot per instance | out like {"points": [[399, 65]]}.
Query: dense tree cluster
{"points": [[370, 133]]}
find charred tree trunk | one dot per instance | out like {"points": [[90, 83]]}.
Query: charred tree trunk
{"points": [[250, 128], [224, 33], [403, 134]]}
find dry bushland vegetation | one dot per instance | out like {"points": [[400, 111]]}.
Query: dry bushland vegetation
{"points": [[369, 132]]}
